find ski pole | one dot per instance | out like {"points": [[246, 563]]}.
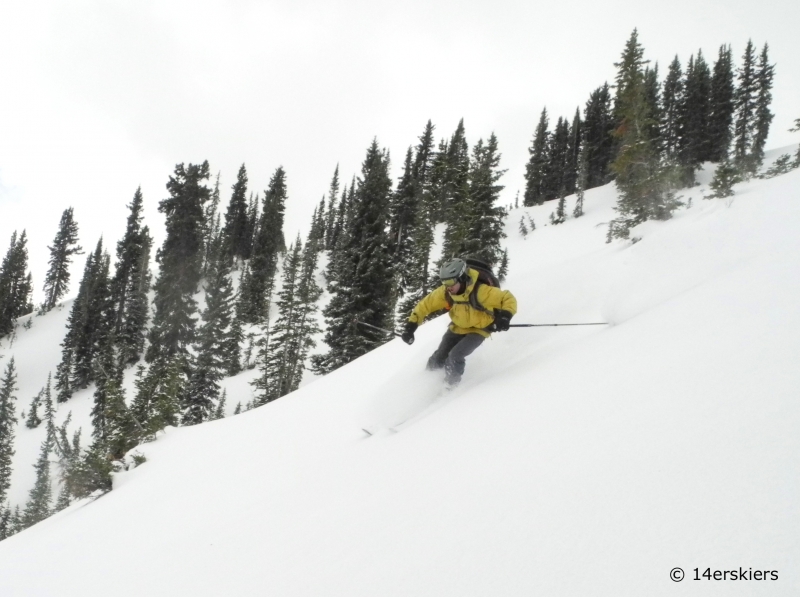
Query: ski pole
{"points": [[375, 327], [541, 325]]}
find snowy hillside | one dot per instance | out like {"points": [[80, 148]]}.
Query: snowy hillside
{"points": [[570, 461]]}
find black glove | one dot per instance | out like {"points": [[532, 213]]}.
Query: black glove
{"points": [[502, 319], [408, 332]]}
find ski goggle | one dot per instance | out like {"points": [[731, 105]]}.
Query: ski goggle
{"points": [[450, 282]]}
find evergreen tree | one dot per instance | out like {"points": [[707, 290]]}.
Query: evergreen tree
{"points": [[123, 431], [643, 182], [764, 75], [413, 272], [91, 319], [720, 117], [8, 421], [212, 233], [253, 219], [65, 245], [653, 97], [694, 145], [557, 151], [502, 271], [6, 528], [725, 177], [181, 260], [330, 221], [108, 378], [536, 168], [16, 286], [583, 175], [523, 229], [598, 140], [456, 194], [131, 283], [291, 337], [236, 234], [485, 218], [89, 472], [573, 153], [33, 420], [364, 283], [672, 99], [219, 412], [40, 498], [745, 101], [269, 243], [213, 348], [559, 216], [158, 393]]}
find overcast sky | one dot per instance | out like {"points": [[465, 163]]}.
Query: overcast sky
{"points": [[101, 96]]}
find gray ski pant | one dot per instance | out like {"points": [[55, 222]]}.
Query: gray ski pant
{"points": [[452, 352]]}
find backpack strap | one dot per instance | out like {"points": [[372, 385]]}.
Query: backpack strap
{"points": [[472, 301]]}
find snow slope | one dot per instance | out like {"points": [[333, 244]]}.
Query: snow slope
{"points": [[571, 461]]}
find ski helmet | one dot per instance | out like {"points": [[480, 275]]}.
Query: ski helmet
{"points": [[453, 272]]}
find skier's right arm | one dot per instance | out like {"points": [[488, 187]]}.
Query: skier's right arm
{"points": [[435, 301]]}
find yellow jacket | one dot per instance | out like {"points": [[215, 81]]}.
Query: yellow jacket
{"points": [[466, 319]]}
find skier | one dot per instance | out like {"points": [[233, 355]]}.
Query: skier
{"points": [[476, 309]]}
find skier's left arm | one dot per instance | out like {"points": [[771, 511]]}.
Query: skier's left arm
{"points": [[504, 305]]}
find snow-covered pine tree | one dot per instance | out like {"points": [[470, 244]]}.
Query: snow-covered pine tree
{"points": [[573, 153], [652, 91], [131, 283], [6, 529], [764, 75], [559, 216], [33, 419], [580, 186], [237, 241], [556, 167], [330, 219], [598, 126], [268, 244], [486, 218], [94, 318], [180, 258], [536, 168], [745, 99], [8, 421], [38, 506], [65, 245], [158, 393], [413, 270], [216, 348], [502, 271], [456, 195], [694, 144], [123, 431], [672, 101], [523, 229], [643, 182], [16, 285], [219, 412], [402, 219], [212, 233], [726, 175], [282, 368], [363, 288], [720, 116], [108, 378], [90, 472]]}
